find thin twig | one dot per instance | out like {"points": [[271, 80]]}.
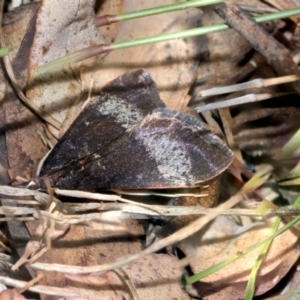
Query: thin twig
{"points": [[43, 289], [256, 83], [277, 55], [240, 100], [30, 283], [170, 240]]}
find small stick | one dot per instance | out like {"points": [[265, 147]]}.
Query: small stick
{"points": [[176, 237], [30, 283], [110, 19], [276, 54], [239, 100], [256, 83], [43, 289]]}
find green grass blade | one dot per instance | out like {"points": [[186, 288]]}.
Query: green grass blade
{"points": [[292, 145], [250, 289], [172, 36], [221, 265], [162, 9], [197, 31], [4, 51]]}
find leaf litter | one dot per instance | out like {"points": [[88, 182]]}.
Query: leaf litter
{"points": [[106, 241]]}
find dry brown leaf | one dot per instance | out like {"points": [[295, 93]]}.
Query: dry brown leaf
{"points": [[61, 27], [223, 241], [153, 277], [11, 295], [95, 243], [20, 160], [172, 64], [24, 145], [292, 290], [12, 38], [15, 25]]}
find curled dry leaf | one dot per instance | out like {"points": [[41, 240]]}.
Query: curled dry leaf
{"points": [[292, 290], [223, 241]]}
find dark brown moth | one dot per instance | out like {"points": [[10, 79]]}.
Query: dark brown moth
{"points": [[126, 139]]}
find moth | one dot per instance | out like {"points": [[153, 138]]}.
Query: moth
{"points": [[125, 138]]}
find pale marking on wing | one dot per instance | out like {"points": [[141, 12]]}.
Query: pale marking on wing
{"points": [[123, 112]]}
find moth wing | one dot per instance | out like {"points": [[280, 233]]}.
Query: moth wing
{"points": [[166, 150], [121, 105]]}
